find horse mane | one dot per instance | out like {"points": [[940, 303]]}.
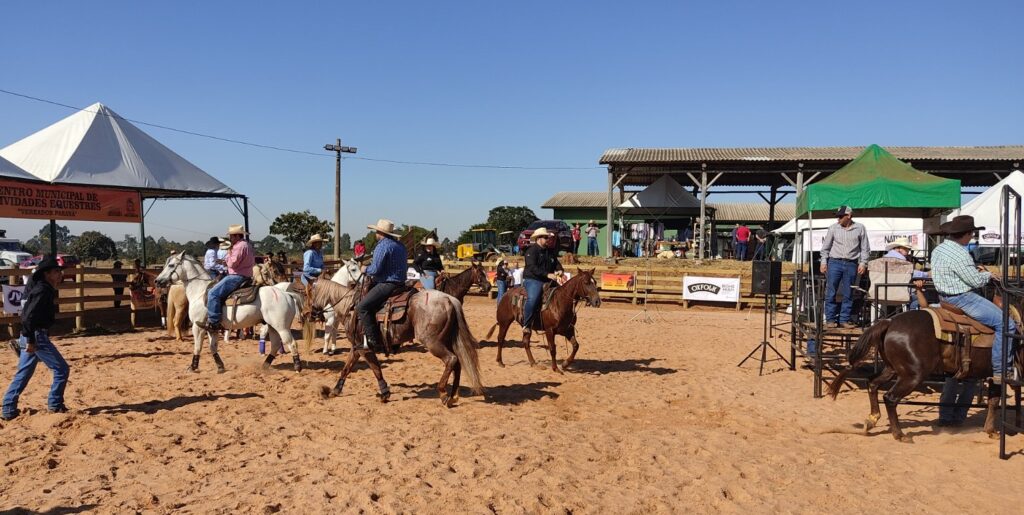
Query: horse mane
{"points": [[324, 292]]}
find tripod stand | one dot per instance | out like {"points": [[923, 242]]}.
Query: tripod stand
{"points": [[765, 344]]}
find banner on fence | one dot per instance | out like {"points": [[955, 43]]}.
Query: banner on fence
{"points": [[12, 299], [877, 239], [618, 282], [53, 202], [491, 276], [714, 289]]}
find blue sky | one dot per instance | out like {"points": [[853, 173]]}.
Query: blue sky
{"points": [[528, 83]]}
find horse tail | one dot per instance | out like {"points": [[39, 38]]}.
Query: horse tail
{"points": [[873, 337], [465, 347], [491, 330]]}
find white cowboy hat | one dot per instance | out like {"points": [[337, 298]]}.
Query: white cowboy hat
{"points": [[539, 232], [236, 229], [314, 239], [385, 226], [224, 245], [899, 242], [430, 242]]}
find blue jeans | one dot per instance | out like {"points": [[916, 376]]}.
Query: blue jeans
{"points": [[984, 311], [502, 287], [534, 290], [741, 250], [956, 392], [50, 356], [306, 279], [217, 294], [840, 277], [591, 246], [427, 279]]}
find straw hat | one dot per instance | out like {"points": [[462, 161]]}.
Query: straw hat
{"points": [[225, 244], [314, 239], [430, 242], [384, 226], [899, 242], [236, 229], [539, 232]]}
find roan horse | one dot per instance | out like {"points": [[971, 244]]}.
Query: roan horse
{"points": [[459, 284], [559, 318], [276, 305], [433, 318], [911, 352]]}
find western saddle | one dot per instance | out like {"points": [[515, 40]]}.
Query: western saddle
{"points": [[960, 334]]}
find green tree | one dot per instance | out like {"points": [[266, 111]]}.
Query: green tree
{"points": [[269, 244], [510, 218], [128, 248], [41, 242], [93, 245], [297, 227], [346, 242]]}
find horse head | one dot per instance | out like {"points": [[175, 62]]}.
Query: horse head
{"points": [[587, 289], [479, 277], [349, 273], [180, 268]]}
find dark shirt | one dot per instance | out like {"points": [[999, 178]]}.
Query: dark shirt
{"points": [[428, 261], [501, 273], [540, 261], [39, 308]]}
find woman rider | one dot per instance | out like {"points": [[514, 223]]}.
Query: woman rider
{"points": [[541, 267], [428, 264], [312, 260]]}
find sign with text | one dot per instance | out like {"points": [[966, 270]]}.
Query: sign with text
{"points": [[714, 289], [54, 202], [617, 282], [876, 239], [12, 299]]}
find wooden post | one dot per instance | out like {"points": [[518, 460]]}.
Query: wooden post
{"points": [[80, 292], [739, 293], [686, 303]]}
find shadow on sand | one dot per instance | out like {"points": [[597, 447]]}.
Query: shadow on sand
{"points": [[593, 366], [153, 406]]}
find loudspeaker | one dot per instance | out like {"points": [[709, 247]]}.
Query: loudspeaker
{"points": [[767, 277]]}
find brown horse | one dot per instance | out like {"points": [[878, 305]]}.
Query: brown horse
{"points": [[459, 284], [559, 318], [433, 318], [911, 352]]}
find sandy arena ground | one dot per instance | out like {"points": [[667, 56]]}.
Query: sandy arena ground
{"points": [[658, 419]]}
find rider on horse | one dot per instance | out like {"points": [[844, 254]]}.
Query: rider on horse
{"points": [[313, 259], [541, 265], [955, 276], [240, 261], [388, 271], [428, 263], [210, 263]]}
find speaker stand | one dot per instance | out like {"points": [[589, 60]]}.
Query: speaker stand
{"points": [[764, 345]]}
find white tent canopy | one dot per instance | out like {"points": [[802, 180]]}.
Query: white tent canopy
{"points": [[871, 224], [987, 210], [95, 146], [664, 196], [12, 171]]}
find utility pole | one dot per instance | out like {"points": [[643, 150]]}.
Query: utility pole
{"points": [[338, 149]]}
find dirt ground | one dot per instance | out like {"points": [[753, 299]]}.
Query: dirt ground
{"points": [[657, 418]]}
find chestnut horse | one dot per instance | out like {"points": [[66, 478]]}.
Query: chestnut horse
{"points": [[459, 284], [559, 318]]}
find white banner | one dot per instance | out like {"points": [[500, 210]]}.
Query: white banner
{"points": [[994, 237], [877, 239], [715, 289], [12, 299]]}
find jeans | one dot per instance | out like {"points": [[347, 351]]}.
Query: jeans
{"points": [[741, 250], [427, 279], [219, 292], [592, 245], [50, 356], [984, 311], [502, 287], [956, 392], [759, 252], [118, 292], [369, 306], [839, 277], [534, 290], [307, 279]]}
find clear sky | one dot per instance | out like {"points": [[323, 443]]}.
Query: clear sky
{"points": [[527, 83]]}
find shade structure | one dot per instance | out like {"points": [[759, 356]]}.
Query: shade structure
{"points": [[96, 146], [9, 170], [664, 197], [882, 185], [987, 210]]}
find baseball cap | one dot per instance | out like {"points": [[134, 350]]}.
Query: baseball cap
{"points": [[843, 211]]}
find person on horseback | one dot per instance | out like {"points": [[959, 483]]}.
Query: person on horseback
{"points": [[312, 259], [388, 270], [502, 278], [955, 276], [210, 263], [240, 261], [428, 263], [542, 267]]}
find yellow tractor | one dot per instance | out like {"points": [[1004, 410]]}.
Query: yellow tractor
{"points": [[482, 248]]}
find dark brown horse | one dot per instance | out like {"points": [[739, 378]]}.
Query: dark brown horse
{"points": [[559, 318], [459, 284], [911, 352]]}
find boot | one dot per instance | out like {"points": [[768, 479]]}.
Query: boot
{"points": [[269, 360], [297, 362], [194, 367], [220, 364]]}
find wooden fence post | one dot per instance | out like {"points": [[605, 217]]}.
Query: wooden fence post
{"points": [[80, 292]]}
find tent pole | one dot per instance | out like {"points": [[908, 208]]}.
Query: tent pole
{"points": [[702, 243], [53, 238], [142, 238], [608, 214], [771, 206]]}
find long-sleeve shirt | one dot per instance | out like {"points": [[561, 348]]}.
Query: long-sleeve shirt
{"points": [[39, 307], [390, 262], [850, 243], [428, 261], [894, 254], [241, 259], [312, 263], [501, 273], [540, 261], [953, 270], [210, 262]]}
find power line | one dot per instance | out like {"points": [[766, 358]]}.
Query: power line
{"points": [[296, 151]]}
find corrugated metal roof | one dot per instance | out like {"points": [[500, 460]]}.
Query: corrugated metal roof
{"points": [[809, 154], [581, 199], [726, 212]]}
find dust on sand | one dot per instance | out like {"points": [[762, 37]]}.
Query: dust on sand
{"points": [[657, 418]]}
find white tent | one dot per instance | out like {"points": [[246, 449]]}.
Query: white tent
{"points": [[95, 146], [12, 171], [881, 231], [987, 209], [871, 224], [663, 197]]}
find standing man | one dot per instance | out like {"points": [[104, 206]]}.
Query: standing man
{"points": [[313, 259], [844, 256], [761, 250], [240, 261], [359, 249], [591, 238], [502, 278], [118, 276], [742, 239], [388, 271], [576, 235], [37, 316]]}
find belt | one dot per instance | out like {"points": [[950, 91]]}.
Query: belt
{"points": [[841, 259]]}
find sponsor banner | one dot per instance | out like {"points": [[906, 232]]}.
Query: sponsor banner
{"points": [[994, 237], [12, 299], [618, 282], [491, 277], [877, 239], [715, 289], [49, 201]]}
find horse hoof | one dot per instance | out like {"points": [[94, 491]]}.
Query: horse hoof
{"points": [[384, 396], [993, 436], [447, 401], [907, 439], [500, 364]]}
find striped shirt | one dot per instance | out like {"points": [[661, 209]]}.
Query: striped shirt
{"points": [[390, 262], [953, 270], [849, 243]]}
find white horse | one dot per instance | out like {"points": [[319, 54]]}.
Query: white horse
{"points": [[276, 305], [347, 276]]}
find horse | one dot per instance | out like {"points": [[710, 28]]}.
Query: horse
{"points": [[559, 318], [177, 307], [348, 275], [911, 352], [275, 305], [459, 284], [433, 318]]}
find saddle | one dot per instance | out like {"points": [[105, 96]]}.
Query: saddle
{"points": [[245, 294], [518, 298], [960, 334], [395, 307]]}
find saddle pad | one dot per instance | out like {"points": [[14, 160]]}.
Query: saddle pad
{"points": [[947, 324], [244, 295], [395, 307]]}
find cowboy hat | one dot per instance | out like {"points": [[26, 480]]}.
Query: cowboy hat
{"points": [[540, 232], [429, 242], [902, 241], [48, 263], [316, 238], [236, 229], [213, 241], [384, 226], [225, 244], [959, 224]]}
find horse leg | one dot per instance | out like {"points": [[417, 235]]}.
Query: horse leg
{"points": [[572, 355], [289, 344], [873, 385], [275, 346], [197, 346], [449, 360], [455, 382], [502, 332], [550, 336], [353, 358], [904, 385], [382, 385], [526, 345], [330, 334]]}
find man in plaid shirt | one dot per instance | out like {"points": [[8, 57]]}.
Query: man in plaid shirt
{"points": [[955, 276]]}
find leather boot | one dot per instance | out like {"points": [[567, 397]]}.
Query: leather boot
{"points": [[297, 362], [194, 367], [220, 364]]}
